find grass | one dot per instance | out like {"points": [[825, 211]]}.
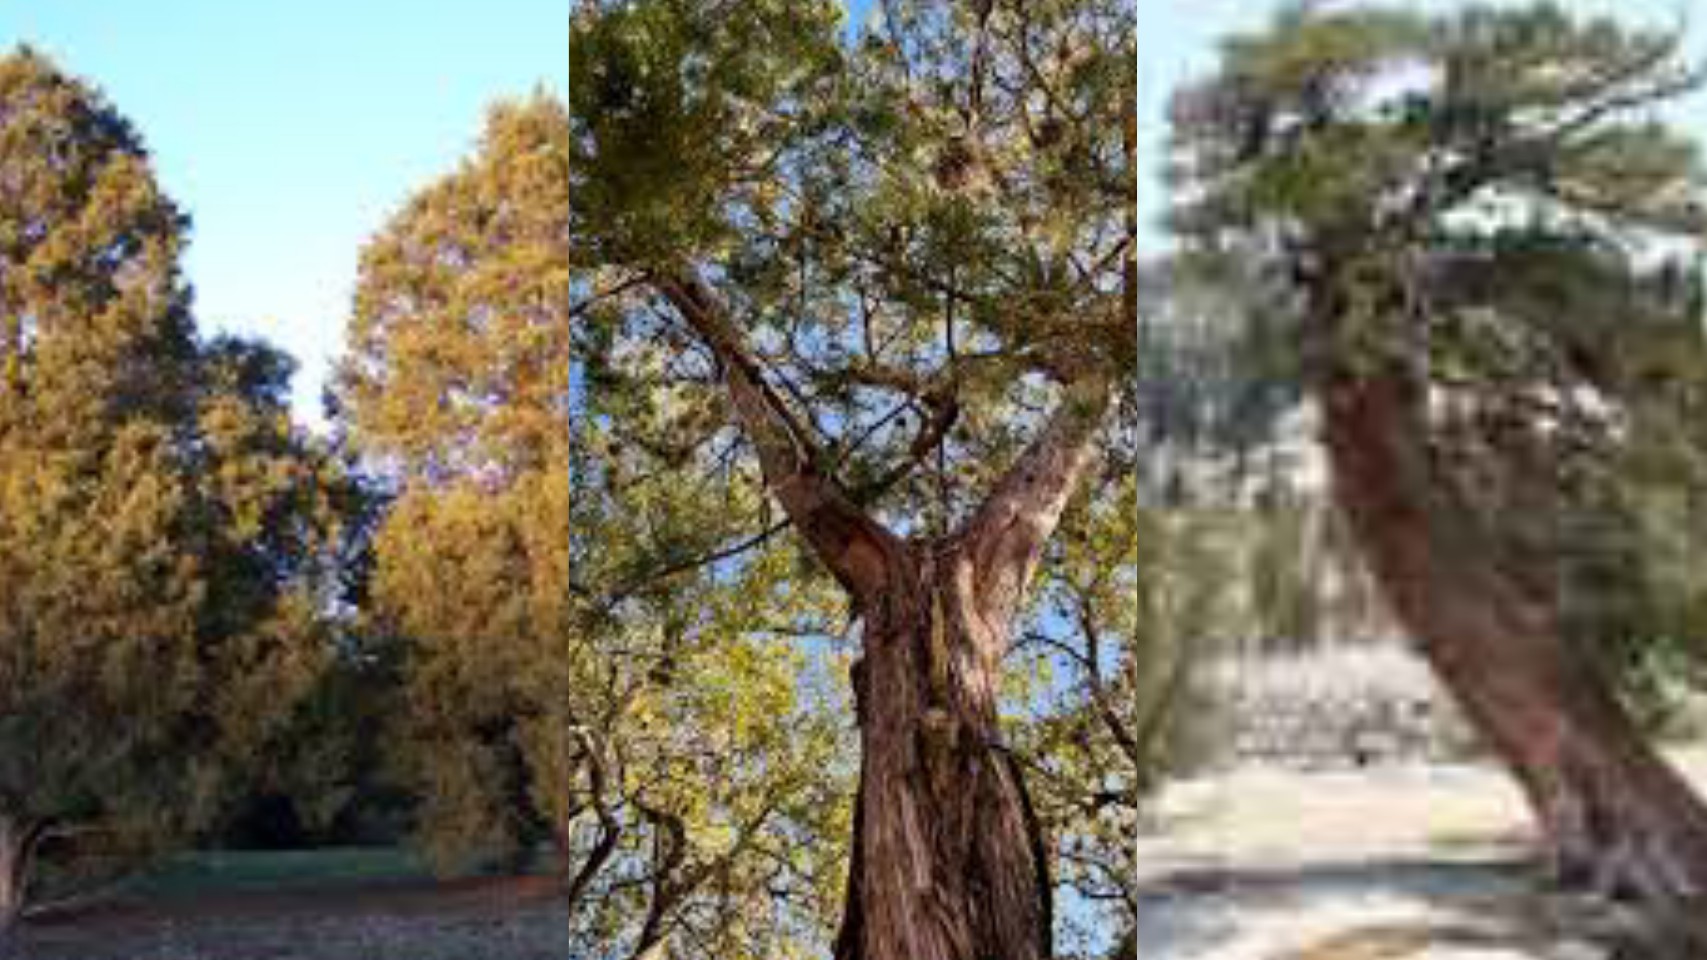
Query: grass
{"points": [[255, 870]]}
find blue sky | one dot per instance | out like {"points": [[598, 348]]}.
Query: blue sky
{"points": [[1177, 39], [291, 131]]}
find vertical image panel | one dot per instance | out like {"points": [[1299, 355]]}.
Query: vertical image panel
{"points": [[1428, 341], [284, 481], [855, 297]]}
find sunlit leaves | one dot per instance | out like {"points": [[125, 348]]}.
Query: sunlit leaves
{"points": [[163, 526], [459, 342]]}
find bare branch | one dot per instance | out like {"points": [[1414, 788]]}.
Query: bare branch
{"points": [[855, 547], [609, 828], [1007, 534]]}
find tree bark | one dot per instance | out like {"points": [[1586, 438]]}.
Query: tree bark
{"points": [[18, 842], [949, 860], [1613, 816]]}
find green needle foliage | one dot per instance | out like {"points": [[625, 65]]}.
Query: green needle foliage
{"points": [[1491, 198], [165, 532], [920, 235]]}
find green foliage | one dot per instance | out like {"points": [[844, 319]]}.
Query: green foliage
{"points": [[895, 226], [926, 229], [162, 523], [1484, 200], [678, 98], [1328, 118], [726, 759]]}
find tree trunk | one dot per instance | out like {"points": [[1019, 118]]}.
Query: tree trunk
{"points": [[1614, 818], [17, 848], [948, 858], [949, 862]]}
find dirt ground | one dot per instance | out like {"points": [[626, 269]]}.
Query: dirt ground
{"points": [[485, 919], [1399, 863]]}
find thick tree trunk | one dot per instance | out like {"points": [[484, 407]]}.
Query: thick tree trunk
{"points": [[1613, 816], [949, 861]]}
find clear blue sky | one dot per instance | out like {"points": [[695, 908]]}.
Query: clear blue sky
{"points": [[1177, 40], [859, 9], [291, 130]]}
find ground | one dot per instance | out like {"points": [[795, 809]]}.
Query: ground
{"points": [[325, 905], [1425, 862]]}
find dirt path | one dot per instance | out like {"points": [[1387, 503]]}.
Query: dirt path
{"points": [[1391, 864]]}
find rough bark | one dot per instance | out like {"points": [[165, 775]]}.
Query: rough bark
{"points": [[1613, 816], [949, 861]]}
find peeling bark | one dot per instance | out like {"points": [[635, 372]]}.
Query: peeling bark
{"points": [[949, 860], [1007, 535], [1614, 817]]}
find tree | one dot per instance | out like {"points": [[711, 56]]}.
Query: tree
{"points": [[455, 392], [906, 274], [567, 677], [160, 518], [722, 751], [322, 777], [1467, 211]]}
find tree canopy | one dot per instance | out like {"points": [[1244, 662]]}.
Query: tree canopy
{"points": [[818, 280], [1483, 239], [165, 531]]}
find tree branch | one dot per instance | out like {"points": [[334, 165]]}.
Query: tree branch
{"points": [[855, 547], [1006, 536], [609, 828], [944, 412], [579, 310], [654, 577], [666, 893], [1105, 709]]}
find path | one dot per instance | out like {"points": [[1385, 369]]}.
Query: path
{"points": [[481, 919], [1418, 863]]}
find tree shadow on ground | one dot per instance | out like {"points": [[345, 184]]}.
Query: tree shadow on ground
{"points": [[1378, 908]]}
